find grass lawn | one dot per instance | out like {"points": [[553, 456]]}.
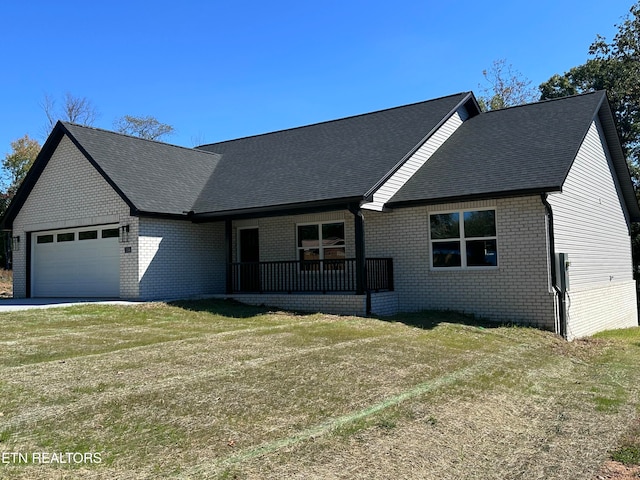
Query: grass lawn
{"points": [[217, 390]]}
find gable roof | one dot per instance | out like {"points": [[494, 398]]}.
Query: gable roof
{"points": [[151, 177], [154, 177], [520, 150], [335, 161], [515, 151]]}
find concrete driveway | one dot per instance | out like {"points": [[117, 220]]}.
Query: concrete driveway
{"points": [[14, 304]]}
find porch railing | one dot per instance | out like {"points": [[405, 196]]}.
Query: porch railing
{"points": [[321, 276]]}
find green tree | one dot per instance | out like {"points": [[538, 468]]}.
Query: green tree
{"points": [[504, 87], [615, 67], [144, 127], [17, 163], [15, 166]]}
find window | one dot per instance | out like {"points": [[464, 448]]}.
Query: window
{"points": [[45, 239], [321, 244], [89, 235], [66, 237], [469, 243], [110, 233]]}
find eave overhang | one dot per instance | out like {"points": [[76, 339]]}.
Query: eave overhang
{"points": [[279, 210]]}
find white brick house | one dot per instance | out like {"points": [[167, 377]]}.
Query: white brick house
{"points": [[432, 205]]}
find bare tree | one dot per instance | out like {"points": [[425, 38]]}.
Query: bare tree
{"points": [[197, 139], [48, 105], [79, 110], [74, 109]]}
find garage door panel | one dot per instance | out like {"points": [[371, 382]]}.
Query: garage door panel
{"points": [[87, 267]]}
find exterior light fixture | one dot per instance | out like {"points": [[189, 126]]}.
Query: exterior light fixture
{"points": [[124, 234]]}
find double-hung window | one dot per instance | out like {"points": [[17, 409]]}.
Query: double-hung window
{"points": [[463, 239], [321, 244]]}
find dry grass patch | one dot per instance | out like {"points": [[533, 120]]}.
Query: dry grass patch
{"points": [[218, 390]]}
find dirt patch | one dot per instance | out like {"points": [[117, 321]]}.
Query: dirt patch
{"points": [[617, 471], [6, 284]]}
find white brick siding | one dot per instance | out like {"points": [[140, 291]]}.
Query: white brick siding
{"points": [[602, 308], [71, 193], [180, 259], [383, 303], [517, 291], [278, 234]]}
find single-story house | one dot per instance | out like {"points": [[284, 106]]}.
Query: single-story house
{"points": [[521, 215]]}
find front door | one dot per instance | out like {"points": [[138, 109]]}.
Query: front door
{"points": [[249, 257]]}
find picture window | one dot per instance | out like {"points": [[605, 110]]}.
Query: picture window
{"points": [[463, 239], [321, 245]]}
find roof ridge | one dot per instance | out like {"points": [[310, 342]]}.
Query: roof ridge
{"points": [[546, 100], [158, 142], [348, 117]]}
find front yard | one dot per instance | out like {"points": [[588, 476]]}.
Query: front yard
{"points": [[217, 390]]}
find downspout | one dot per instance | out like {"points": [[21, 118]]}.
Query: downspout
{"points": [[554, 275]]}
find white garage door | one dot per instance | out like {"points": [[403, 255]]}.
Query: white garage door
{"points": [[78, 262]]}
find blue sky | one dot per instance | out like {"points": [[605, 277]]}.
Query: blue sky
{"points": [[221, 70]]}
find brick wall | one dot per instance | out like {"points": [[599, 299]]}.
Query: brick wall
{"points": [[278, 234], [384, 303], [71, 193], [518, 290], [334, 304], [602, 308], [180, 259]]}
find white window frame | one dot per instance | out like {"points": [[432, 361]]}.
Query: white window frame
{"points": [[463, 240], [320, 246]]}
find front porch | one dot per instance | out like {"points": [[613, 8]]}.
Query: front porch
{"points": [[329, 286], [371, 303], [330, 274], [311, 276]]}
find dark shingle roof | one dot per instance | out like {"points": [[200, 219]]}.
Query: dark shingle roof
{"points": [[522, 149], [519, 150], [331, 160], [154, 177]]}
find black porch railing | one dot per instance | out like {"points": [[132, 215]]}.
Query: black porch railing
{"points": [[321, 276]]}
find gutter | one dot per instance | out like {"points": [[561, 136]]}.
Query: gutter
{"points": [[554, 274]]}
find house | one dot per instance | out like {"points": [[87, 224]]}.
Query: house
{"points": [[520, 215]]}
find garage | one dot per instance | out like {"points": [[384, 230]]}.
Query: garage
{"points": [[78, 262]]}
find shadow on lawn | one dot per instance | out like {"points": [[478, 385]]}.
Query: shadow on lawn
{"points": [[225, 307], [430, 319], [426, 319]]}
